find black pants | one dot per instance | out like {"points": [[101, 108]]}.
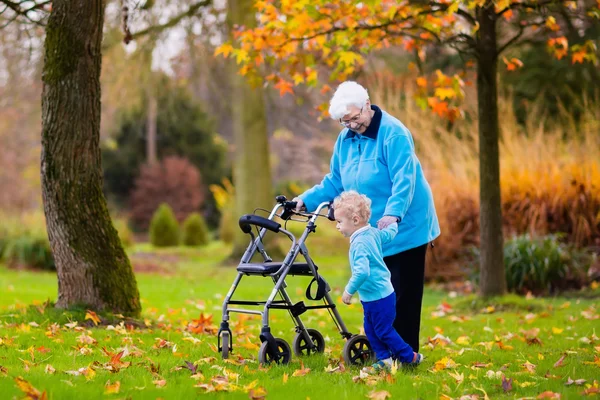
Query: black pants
{"points": [[408, 277]]}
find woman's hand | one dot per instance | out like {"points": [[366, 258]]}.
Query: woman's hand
{"points": [[346, 298], [299, 204], [385, 221]]}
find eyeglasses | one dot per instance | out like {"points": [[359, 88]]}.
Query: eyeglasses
{"points": [[353, 120]]}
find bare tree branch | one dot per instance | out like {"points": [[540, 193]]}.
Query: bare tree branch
{"points": [[35, 13], [191, 11], [512, 40]]}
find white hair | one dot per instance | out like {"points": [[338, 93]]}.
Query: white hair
{"points": [[347, 94]]}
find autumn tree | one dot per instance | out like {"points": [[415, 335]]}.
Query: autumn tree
{"points": [[295, 37]]}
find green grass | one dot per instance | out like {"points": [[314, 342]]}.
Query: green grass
{"points": [[485, 335]]}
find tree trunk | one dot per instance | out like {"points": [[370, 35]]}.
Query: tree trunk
{"points": [[151, 157], [251, 169], [492, 276], [93, 269]]}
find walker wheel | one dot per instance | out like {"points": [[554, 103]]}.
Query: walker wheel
{"points": [[225, 345], [300, 344], [357, 351], [282, 356]]}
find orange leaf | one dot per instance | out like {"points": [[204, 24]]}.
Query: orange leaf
{"points": [[421, 82], [548, 395], [284, 87], [379, 395], [30, 392], [257, 394], [578, 57], [112, 388], [302, 371]]}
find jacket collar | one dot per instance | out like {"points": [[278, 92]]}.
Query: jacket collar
{"points": [[373, 127]]}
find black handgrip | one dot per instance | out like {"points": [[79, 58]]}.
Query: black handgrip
{"points": [[331, 213], [252, 219], [291, 205]]}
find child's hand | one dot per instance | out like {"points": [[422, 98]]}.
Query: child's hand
{"points": [[346, 298]]}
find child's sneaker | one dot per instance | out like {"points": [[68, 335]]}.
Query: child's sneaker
{"points": [[418, 358], [381, 365]]}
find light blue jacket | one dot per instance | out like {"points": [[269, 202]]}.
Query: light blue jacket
{"points": [[382, 164], [370, 276]]}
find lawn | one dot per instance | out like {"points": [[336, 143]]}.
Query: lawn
{"points": [[512, 347]]}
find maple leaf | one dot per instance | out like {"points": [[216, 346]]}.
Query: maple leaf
{"points": [[112, 388], [444, 363], [445, 93], [559, 363], [284, 87], [548, 395], [529, 367], [378, 395], [160, 382], [302, 371], [224, 49], [506, 384], [257, 394], [93, 316], [577, 382], [30, 392]]}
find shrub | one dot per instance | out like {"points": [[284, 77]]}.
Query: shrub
{"points": [[24, 242], [195, 232], [543, 264], [164, 228], [29, 250], [174, 181]]}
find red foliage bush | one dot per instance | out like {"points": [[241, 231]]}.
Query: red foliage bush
{"points": [[174, 181]]}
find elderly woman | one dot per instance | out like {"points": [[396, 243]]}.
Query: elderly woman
{"points": [[375, 155]]}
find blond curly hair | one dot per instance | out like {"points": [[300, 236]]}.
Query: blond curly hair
{"points": [[353, 203]]}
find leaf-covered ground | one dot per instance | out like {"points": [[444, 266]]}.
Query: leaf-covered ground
{"points": [[505, 348]]}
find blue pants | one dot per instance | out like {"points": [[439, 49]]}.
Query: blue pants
{"points": [[378, 323]]}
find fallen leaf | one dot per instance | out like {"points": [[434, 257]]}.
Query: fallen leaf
{"points": [[529, 367], [506, 384], [112, 388], [49, 369], [257, 394], [302, 371], [559, 363], [30, 392], [548, 395], [93, 316], [379, 395], [577, 382], [444, 363], [285, 377], [160, 382], [458, 377]]}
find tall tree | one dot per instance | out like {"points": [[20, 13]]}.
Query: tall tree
{"points": [[92, 266], [294, 36], [251, 169]]}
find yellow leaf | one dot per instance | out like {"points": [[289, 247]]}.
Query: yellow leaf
{"points": [[93, 316], [557, 331], [453, 8], [445, 93], [285, 377], [224, 49]]}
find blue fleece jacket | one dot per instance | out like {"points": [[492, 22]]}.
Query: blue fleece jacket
{"points": [[381, 163], [370, 276]]}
